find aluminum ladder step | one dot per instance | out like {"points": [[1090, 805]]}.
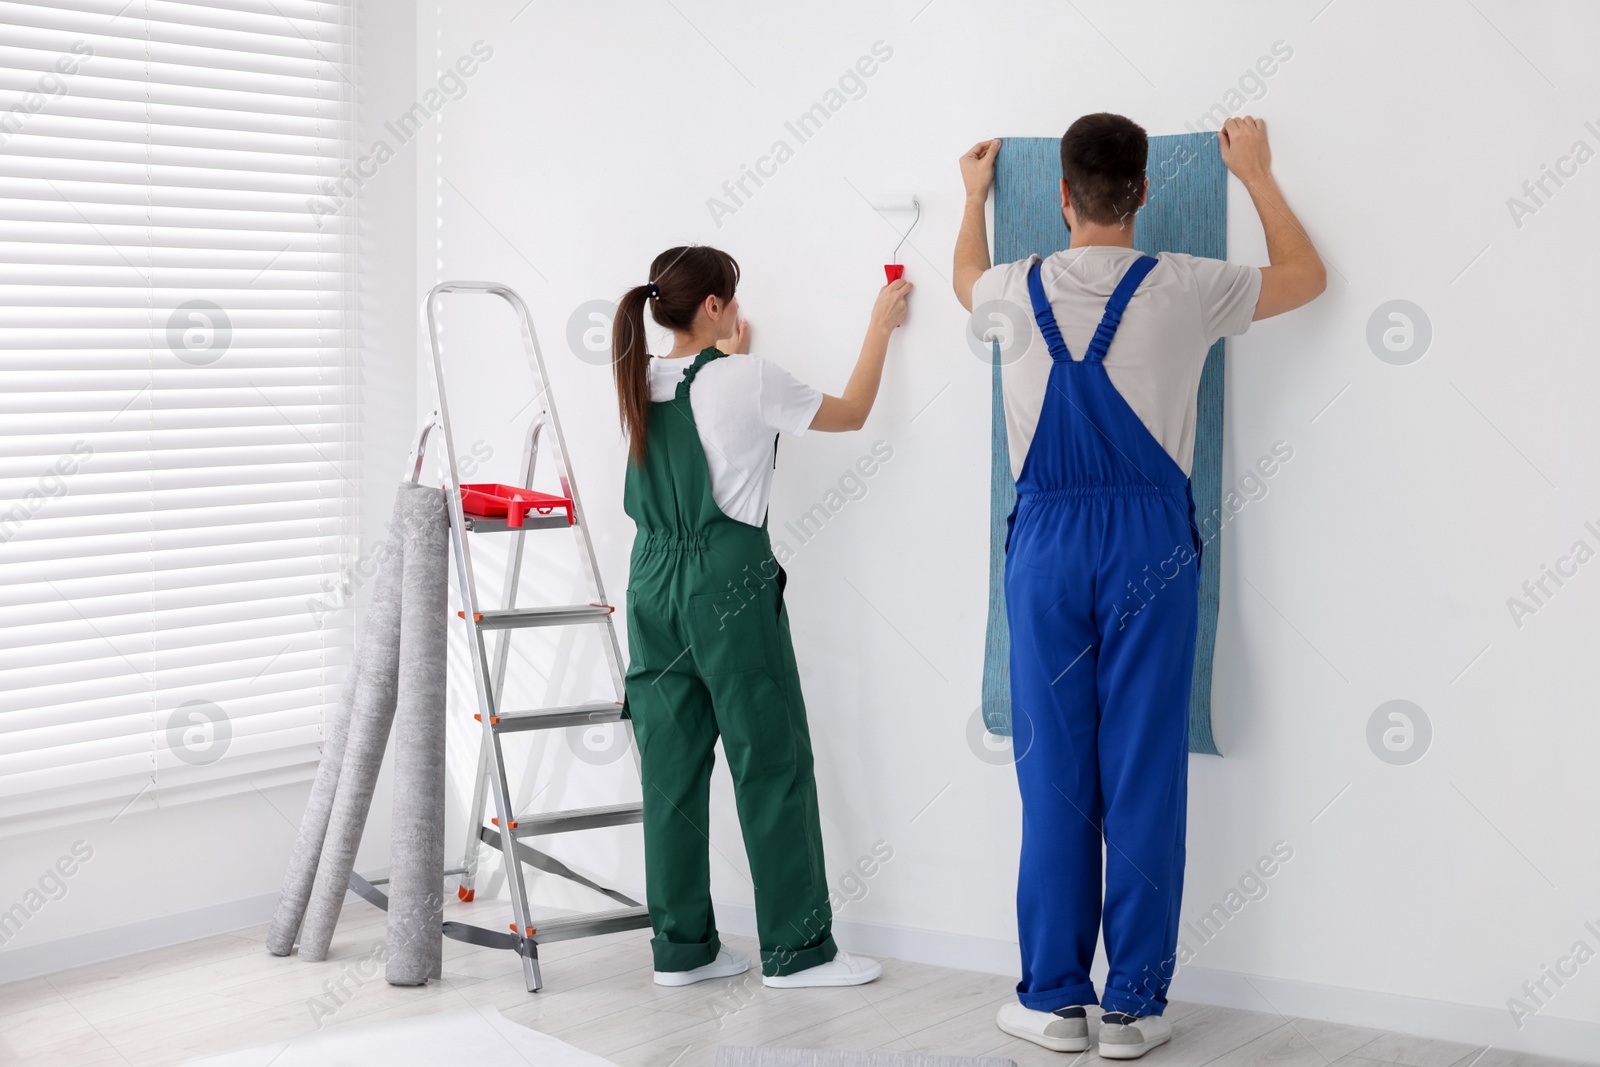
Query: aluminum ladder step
{"points": [[562, 822], [560, 615], [591, 924], [599, 711], [448, 871]]}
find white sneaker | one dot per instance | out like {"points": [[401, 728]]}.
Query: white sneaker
{"points": [[1054, 1032], [729, 962], [841, 970], [1127, 1037]]}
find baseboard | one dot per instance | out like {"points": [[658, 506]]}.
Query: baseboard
{"points": [[142, 935], [1473, 1025], [47, 957]]}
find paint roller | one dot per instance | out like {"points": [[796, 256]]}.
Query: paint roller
{"points": [[897, 203]]}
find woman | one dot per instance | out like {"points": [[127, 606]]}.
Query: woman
{"points": [[707, 631]]}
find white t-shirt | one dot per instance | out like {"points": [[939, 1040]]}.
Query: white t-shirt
{"points": [[739, 403], [1155, 359]]}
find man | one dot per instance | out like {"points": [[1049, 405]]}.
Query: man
{"points": [[1103, 561]]}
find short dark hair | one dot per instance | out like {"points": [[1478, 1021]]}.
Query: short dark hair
{"points": [[1103, 160]]}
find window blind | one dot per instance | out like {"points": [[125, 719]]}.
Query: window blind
{"points": [[177, 447]]}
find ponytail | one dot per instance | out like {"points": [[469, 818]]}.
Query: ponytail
{"points": [[630, 362], [680, 280]]}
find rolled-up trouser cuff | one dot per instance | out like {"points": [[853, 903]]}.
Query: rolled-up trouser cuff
{"points": [[675, 957], [1070, 996]]}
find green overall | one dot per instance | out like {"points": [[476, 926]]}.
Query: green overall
{"points": [[710, 652]]}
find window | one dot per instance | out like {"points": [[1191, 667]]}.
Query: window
{"points": [[177, 447]]}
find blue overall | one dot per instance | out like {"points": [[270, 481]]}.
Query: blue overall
{"points": [[1102, 581]]}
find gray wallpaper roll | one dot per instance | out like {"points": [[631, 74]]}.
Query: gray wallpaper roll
{"points": [[371, 716], [314, 823], [400, 662], [358, 692], [416, 876]]}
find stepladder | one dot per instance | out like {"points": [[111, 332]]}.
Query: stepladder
{"points": [[483, 510]]}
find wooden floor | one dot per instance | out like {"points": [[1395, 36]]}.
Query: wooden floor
{"points": [[226, 992]]}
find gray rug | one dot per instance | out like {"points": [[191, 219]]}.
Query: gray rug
{"points": [[733, 1056]]}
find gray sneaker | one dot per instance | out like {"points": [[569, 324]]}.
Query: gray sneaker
{"points": [[1127, 1037], [1068, 1032]]}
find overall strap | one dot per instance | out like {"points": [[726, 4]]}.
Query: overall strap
{"points": [[1116, 306], [1045, 317], [694, 368]]}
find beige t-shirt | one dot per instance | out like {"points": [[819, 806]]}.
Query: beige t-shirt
{"points": [[1155, 359]]}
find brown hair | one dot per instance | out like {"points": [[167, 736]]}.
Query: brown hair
{"points": [[683, 277], [1103, 160]]}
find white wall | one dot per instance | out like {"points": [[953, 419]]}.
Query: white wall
{"points": [[1377, 566], [195, 869]]}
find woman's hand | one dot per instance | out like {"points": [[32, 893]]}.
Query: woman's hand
{"points": [[890, 310], [739, 343], [850, 411]]}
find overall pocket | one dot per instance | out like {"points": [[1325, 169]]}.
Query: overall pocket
{"points": [[729, 630], [637, 644]]}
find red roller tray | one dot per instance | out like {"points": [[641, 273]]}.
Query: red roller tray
{"points": [[490, 500]]}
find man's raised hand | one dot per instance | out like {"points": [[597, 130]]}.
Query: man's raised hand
{"points": [[977, 168], [1243, 141]]}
